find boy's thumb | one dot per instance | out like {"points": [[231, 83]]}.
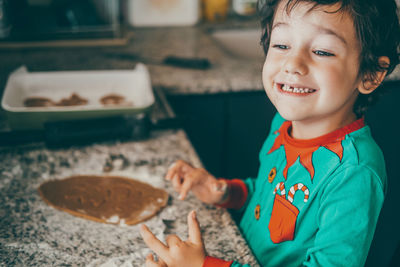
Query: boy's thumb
{"points": [[194, 229]]}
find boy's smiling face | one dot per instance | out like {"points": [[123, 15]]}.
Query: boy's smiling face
{"points": [[311, 69]]}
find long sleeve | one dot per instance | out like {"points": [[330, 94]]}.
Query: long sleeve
{"points": [[215, 262], [237, 194]]}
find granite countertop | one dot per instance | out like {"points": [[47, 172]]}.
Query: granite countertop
{"points": [[227, 74], [35, 234]]}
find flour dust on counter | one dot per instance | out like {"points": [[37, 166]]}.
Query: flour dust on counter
{"points": [[105, 199], [34, 234]]}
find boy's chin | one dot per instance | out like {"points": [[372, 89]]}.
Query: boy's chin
{"points": [[288, 115]]}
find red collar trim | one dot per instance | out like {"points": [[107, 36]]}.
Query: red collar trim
{"points": [[304, 148], [328, 138]]}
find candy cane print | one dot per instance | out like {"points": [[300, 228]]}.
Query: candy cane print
{"points": [[294, 189], [280, 186]]}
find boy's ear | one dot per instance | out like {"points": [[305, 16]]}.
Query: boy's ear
{"points": [[367, 85]]}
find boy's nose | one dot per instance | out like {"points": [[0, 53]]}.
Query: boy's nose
{"points": [[296, 63]]}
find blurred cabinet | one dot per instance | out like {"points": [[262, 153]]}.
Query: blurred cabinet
{"points": [[227, 130], [383, 118], [39, 20]]}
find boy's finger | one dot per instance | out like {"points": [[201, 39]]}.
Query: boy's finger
{"points": [[172, 240], [162, 263], [185, 167], [150, 262], [194, 229], [186, 186], [153, 243], [182, 167], [177, 182], [171, 171]]}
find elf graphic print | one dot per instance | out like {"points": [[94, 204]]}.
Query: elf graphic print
{"points": [[284, 214]]}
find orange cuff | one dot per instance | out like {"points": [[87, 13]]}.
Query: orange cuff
{"points": [[237, 194], [215, 262]]}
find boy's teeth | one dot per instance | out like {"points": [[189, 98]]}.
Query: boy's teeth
{"points": [[287, 88]]}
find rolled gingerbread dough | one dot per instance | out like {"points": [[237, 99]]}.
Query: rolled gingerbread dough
{"points": [[106, 199]]}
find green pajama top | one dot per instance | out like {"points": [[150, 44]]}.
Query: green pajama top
{"points": [[314, 202]]}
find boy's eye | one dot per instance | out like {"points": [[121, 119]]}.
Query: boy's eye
{"points": [[323, 53], [279, 46]]}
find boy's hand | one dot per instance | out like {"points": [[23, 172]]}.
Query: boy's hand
{"points": [[205, 187], [176, 253]]}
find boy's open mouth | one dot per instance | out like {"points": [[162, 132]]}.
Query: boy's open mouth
{"points": [[296, 90]]}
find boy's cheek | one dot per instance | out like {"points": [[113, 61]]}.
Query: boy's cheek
{"points": [[272, 64], [268, 72], [266, 79], [339, 78]]}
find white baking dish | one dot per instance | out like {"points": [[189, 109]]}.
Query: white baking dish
{"points": [[134, 85]]}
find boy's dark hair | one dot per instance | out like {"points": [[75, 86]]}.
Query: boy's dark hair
{"points": [[377, 27]]}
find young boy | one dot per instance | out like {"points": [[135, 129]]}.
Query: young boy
{"points": [[321, 182]]}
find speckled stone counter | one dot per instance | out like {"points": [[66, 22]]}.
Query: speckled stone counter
{"points": [[35, 234], [227, 74]]}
